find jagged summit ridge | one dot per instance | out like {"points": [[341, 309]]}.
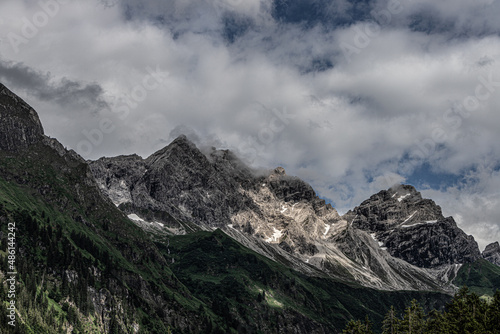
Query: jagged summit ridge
{"points": [[179, 146], [19, 123], [178, 181], [276, 214]]}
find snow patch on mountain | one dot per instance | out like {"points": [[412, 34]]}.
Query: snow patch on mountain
{"points": [[422, 223], [118, 193], [276, 235], [411, 216], [380, 243], [135, 217], [401, 198]]}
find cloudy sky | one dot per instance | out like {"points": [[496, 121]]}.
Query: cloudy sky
{"points": [[352, 96]]}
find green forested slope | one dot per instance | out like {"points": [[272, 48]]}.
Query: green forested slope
{"points": [[253, 293], [81, 262], [482, 277]]}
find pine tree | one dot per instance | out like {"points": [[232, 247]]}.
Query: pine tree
{"points": [[477, 309], [44, 303], [358, 327], [390, 323], [466, 312], [65, 288], [414, 319], [437, 323], [493, 313], [368, 325]]}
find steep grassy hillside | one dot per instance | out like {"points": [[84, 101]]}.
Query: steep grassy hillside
{"points": [[482, 277], [254, 294]]}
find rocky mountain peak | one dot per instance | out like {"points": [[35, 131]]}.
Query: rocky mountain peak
{"points": [[182, 141], [180, 148], [413, 228], [19, 123], [404, 191], [179, 181], [493, 247], [226, 162], [398, 206], [289, 188], [492, 253], [279, 171]]}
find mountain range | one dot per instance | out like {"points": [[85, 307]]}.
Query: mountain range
{"points": [[396, 240], [192, 240]]}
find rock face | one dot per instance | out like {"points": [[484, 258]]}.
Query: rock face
{"points": [[414, 229], [183, 189], [492, 253], [179, 183], [116, 175], [19, 123]]}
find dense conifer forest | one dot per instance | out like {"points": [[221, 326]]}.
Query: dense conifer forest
{"points": [[465, 313]]}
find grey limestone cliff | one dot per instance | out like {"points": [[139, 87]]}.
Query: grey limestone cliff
{"points": [[414, 229], [178, 182], [19, 123], [492, 253]]}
